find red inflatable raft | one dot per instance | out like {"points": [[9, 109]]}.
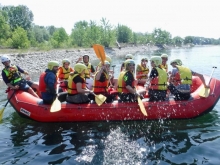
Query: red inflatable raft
{"points": [[31, 107]]}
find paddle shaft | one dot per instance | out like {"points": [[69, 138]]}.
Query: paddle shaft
{"points": [[213, 68], [9, 98], [2, 110]]}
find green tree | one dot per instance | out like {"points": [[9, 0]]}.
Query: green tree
{"points": [[19, 16], [188, 40], [161, 37], [51, 29], [59, 38], [4, 28], [177, 41], [124, 34], [19, 39], [79, 33], [107, 34], [93, 33]]}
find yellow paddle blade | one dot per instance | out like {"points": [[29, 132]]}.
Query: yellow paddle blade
{"points": [[56, 106], [100, 52], [1, 113], [100, 99], [204, 92], [141, 105]]}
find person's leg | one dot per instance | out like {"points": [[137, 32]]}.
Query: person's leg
{"points": [[31, 91], [23, 85]]}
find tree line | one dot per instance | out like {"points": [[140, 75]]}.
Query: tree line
{"points": [[18, 31]]}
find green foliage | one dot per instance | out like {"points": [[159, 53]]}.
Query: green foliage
{"points": [[161, 37], [188, 40], [19, 39], [124, 34], [93, 33], [177, 41], [17, 31], [79, 33], [59, 38], [107, 34], [19, 16], [4, 28]]}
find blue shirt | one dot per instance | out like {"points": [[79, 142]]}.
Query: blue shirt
{"points": [[50, 80]]}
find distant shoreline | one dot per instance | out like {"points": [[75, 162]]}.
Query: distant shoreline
{"points": [[36, 62]]}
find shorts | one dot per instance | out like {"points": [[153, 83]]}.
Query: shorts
{"points": [[30, 83], [23, 85]]}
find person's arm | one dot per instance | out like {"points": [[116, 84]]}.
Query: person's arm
{"points": [[79, 59], [78, 81], [99, 74], [21, 70], [128, 78]]}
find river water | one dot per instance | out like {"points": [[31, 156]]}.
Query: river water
{"points": [[192, 141]]}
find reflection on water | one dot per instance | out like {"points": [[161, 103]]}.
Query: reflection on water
{"points": [[193, 141], [137, 142]]}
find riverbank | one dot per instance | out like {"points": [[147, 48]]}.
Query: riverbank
{"points": [[35, 62]]}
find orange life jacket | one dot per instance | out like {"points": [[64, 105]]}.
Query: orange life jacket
{"points": [[64, 73], [42, 84], [100, 87], [72, 86]]}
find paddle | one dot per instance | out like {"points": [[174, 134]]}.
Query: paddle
{"points": [[141, 105], [2, 110], [56, 105], [204, 92], [100, 52], [99, 99]]}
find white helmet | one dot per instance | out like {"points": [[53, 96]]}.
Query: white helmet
{"points": [[5, 58]]}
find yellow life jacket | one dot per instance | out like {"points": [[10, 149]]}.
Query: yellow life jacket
{"points": [[165, 67], [121, 83], [12, 74], [88, 71], [159, 82], [143, 70], [184, 76]]}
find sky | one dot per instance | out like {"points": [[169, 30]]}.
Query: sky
{"points": [[179, 17]]}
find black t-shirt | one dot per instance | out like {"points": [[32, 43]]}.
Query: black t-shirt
{"points": [[153, 73], [102, 77], [128, 78], [78, 79]]}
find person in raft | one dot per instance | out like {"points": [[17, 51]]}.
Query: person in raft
{"points": [[89, 71], [142, 71], [181, 79], [101, 82], [13, 79], [128, 56], [113, 81], [48, 82], [157, 82], [164, 65], [126, 83], [77, 90], [64, 72]]}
